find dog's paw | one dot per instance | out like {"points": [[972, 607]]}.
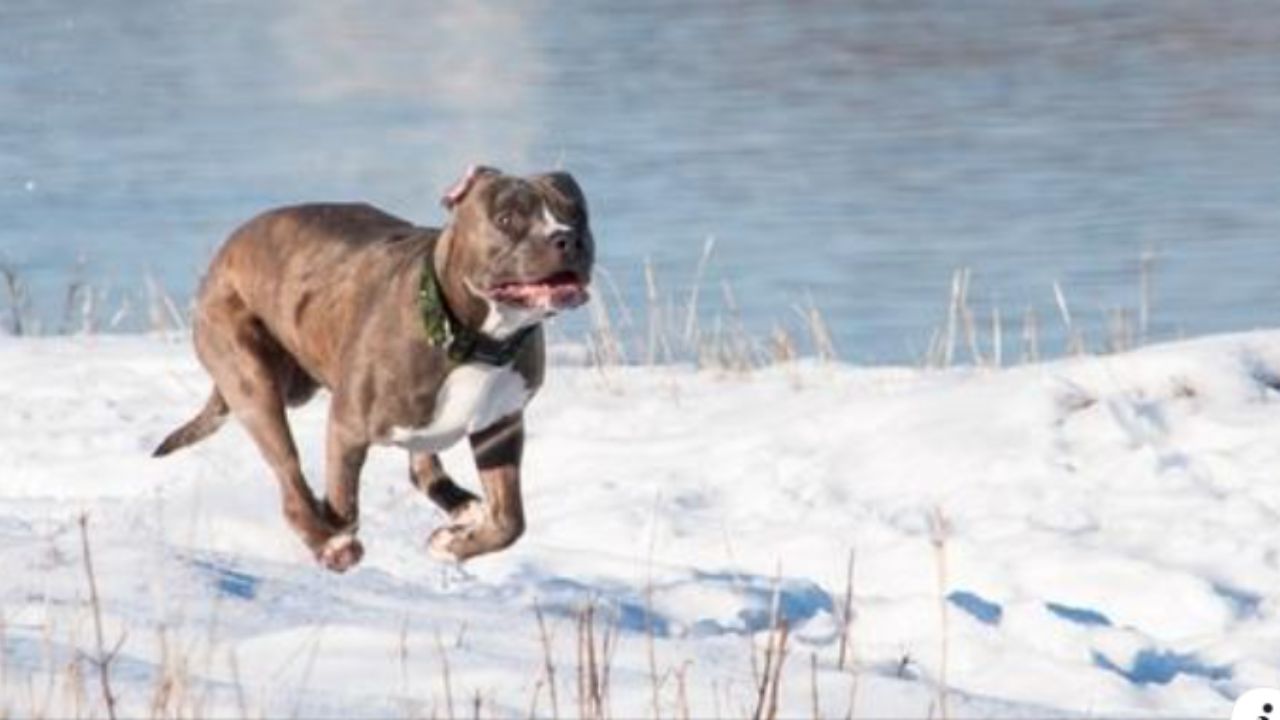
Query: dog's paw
{"points": [[445, 543], [341, 552]]}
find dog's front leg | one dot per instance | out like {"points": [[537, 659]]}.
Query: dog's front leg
{"points": [[497, 451], [344, 457], [428, 475]]}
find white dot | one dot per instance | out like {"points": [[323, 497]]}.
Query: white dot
{"points": [[30, 185]]}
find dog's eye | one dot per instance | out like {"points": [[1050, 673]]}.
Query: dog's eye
{"points": [[511, 224]]}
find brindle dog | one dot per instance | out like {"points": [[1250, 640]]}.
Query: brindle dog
{"points": [[421, 335]]}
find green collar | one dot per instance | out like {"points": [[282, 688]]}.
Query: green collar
{"points": [[461, 343]]}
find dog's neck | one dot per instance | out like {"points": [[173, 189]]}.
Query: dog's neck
{"points": [[468, 305]]}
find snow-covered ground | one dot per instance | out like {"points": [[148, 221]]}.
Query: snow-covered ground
{"points": [[1109, 527]]}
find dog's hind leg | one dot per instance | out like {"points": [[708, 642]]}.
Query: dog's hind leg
{"points": [[245, 362], [428, 475]]}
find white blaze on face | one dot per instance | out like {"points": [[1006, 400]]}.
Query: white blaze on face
{"points": [[473, 397], [552, 223], [1259, 704]]}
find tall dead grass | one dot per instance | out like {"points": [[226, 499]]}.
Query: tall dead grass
{"points": [[697, 326]]}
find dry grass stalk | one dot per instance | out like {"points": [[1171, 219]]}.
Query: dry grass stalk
{"points": [[78, 296], [824, 346], [782, 631], [997, 338], [738, 351], [242, 706], [691, 307], [608, 648], [966, 317], [933, 351], [846, 614], [104, 658], [853, 695], [953, 317], [1119, 330], [960, 319], [775, 650], [549, 666], [604, 338], [938, 532], [313, 653], [655, 319], [593, 665], [164, 689], [782, 349], [1075, 339], [445, 680], [533, 698], [655, 683], [123, 310], [163, 311], [79, 302], [19, 299], [1146, 262], [582, 673], [1030, 336], [682, 691], [762, 683], [813, 685], [51, 667], [4, 662], [73, 687]]}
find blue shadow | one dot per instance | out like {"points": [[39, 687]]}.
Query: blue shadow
{"points": [[1079, 616], [1154, 667], [228, 581], [983, 610]]}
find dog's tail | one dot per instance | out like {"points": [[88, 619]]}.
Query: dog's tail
{"points": [[197, 428]]}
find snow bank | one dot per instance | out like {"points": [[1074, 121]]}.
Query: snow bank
{"points": [[1106, 531]]}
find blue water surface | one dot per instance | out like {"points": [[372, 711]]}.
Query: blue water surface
{"points": [[851, 152]]}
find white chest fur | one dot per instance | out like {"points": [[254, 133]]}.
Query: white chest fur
{"points": [[473, 397]]}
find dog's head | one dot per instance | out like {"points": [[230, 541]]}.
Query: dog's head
{"points": [[521, 243]]}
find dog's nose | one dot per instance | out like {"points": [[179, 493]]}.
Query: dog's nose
{"points": [[566, 241]]}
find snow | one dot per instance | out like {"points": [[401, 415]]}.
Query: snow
{"points": [[1105, 530]]}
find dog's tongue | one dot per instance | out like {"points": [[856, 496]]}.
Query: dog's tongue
{"points": [[555, 293]]}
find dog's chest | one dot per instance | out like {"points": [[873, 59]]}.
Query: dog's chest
{"points": [[473, 397]]}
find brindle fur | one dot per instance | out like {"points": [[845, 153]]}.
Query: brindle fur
{"points": [[327, 295]]}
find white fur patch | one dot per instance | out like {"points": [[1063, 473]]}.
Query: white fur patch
{"points": [[338, 543], [551, 221], [438, 544], [474, 396], [504, 320]]}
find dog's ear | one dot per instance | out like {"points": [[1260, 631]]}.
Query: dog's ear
{"points": [[455, 194], [567, 187]]}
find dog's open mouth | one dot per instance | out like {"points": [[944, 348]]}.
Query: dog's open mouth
{"points": [[561, 291]]}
